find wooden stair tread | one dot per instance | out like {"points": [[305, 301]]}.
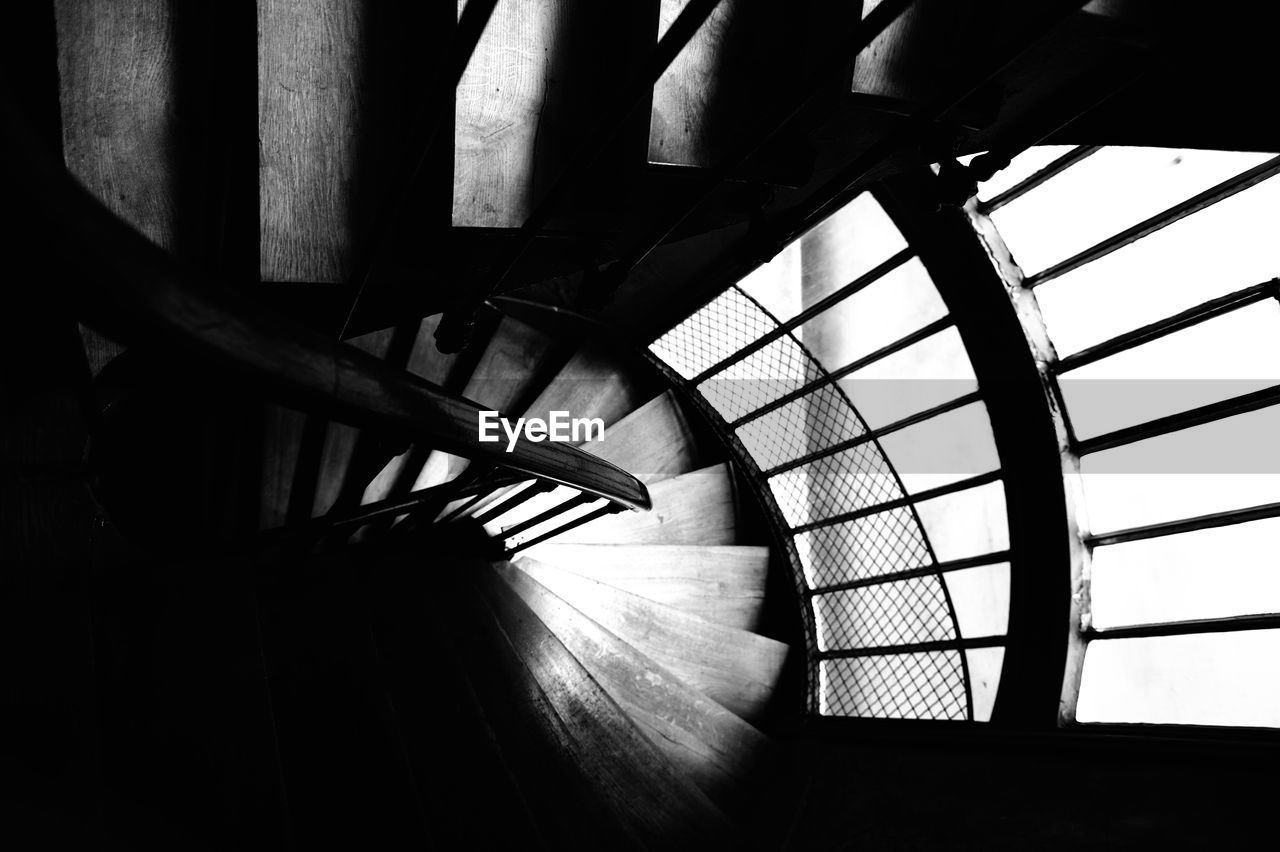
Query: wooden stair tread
{"points": [[651, 797], [693, 508], [721, 583], [715, 748], [652, 443], [736, 668]]}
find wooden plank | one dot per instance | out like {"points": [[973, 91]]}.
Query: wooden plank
{"points": [[685, 120], [653, 443], [281, 437], [309, 77], [340, 439], [736, 668], [591, 384], [660, 807], [434, 366], [710, 745], [509, 364], [694, 508], [499, 104], [118, 135], [721, 584]]}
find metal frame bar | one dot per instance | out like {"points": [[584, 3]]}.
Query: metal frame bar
{"points": [[1198, 416], [1053, 169], [502, 507], [833, 376], [1185, 525], [572, 525], [1195, 626], [549, 514], [903, 501], [1182, 210], [1162, 328], [877, 434], [816, 309], [913, 648], [947, 567]]}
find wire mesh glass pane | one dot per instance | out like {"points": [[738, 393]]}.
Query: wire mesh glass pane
{"points": [[871, 546], [897, 613], [854, 479], [716, 331], [901, 686], [809, 424], [776, 370]]}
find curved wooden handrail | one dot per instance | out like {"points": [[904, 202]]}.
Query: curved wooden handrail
{"points": [[133, 290]]}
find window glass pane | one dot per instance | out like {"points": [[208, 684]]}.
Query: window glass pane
{"points": [[1224, 357], [984, 679], [1229, 464], [1023, 166], [980, 596], [1205, 679], [1106, 193], [900, 613], [871, 546], [968, 523], [883, 312], [776, 284], [899, 686], [1218, 250], [922, 376], [952, 446], [1204, 574]]}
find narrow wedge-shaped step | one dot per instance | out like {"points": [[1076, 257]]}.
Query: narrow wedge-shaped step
{"points": [[724, 584], [427, 362], [652, 443], [506, 368], [736, 668], [716, 749], [659, 806], [593, 384], [694, 508]]}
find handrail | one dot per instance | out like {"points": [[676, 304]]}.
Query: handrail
{"points": [[136, 290]]}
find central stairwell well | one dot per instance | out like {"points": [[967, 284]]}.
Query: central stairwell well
{"points": [[610, 676]]}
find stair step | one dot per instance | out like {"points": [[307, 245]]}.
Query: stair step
{"points": [[427, 362], [716, 749], [658, 805], [724, 584], [652, 443], [736, 668], [592, 384], [693, 508], [503, 374]]}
